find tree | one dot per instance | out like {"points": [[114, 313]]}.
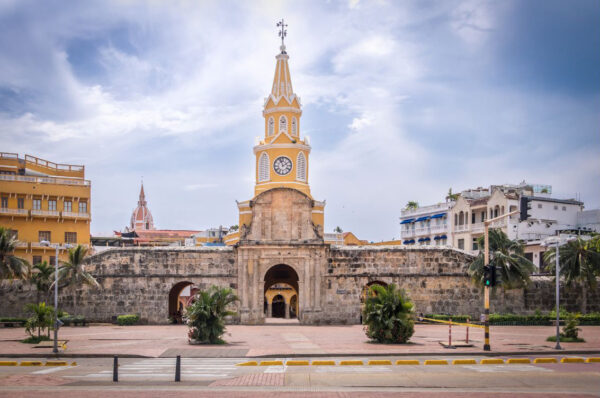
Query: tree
{"points": [[234, 228], [73, 274], [412, 205], [451, 196], [388, 314], [206, 315], [512, 268], [11, 266], [579, 263], [338, 230], [42, 278], [41, 318]]}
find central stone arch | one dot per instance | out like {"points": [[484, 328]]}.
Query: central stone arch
{"points": [[281, 285]]}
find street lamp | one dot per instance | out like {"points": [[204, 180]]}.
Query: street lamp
{"points": [[556, 241], [56, 322]]}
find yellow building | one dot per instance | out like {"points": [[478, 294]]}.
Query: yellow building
{"points": [[282, 155], [42, 201]]}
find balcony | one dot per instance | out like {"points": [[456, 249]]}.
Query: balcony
{"points": [[422, 231], [21, 245], [407, 233], [14, 212], [437, 229], [461, 228], [71, 214], [440, 207], [477, 228], [499, 224], [45, 180], [45, 213]]}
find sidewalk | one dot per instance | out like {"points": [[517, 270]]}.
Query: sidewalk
{"points": [[290, 340]]}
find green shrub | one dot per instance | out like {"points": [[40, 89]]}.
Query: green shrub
{"points": [[72, 319], [206, 315], [570, 330], [455, 318], [35, 339], [129, 319], [388, 315], [41, 319], [8, 319]]}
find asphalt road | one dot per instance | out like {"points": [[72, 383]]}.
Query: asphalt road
{"points": [[207, 377]]}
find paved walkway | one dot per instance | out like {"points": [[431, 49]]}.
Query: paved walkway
{"points": [[287, 340]]}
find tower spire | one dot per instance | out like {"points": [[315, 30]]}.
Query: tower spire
{"points": [[282, 33]]}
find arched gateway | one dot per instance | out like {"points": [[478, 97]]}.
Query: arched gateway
{"points": [[281, 286]]}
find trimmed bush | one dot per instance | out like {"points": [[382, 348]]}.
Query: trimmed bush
{"points": [[129, 319]]}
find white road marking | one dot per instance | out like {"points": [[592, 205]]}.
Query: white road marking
{"points": [[51, 370], [506, 368]]}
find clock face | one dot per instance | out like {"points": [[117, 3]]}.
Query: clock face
{"points": [[282, 165]]}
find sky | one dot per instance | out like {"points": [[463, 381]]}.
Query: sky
{"points": [[402, 100]]}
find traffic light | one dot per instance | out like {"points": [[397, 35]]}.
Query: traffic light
{"points": [[489, 275], [524, 208]]}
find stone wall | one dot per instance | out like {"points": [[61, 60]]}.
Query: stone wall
{"points": [[330, 280]]}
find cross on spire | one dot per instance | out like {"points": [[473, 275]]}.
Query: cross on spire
{"points": [[282, 33]]}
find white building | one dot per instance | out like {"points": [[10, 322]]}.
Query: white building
{"points": [[426, 225]]}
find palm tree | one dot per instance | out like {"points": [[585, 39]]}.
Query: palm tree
{"points": [[512, 268], [579, 263], [388, 314], [11, 266], [451, 196], [42, 278], [411, 205], [73, 274], [206, 315], [40, 319], [338, 230]]}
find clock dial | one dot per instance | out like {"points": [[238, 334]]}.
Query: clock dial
{"points": [[282, 165]]}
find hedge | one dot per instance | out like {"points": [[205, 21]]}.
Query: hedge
{"points": [[22, 320], [523, 320], [129, 319]]}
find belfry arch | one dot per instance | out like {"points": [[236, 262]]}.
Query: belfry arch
{"points": [[281, 290]]}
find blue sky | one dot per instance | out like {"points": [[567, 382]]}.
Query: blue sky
{"points": [[402, 100]]}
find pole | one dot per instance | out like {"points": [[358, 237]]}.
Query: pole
{"points": [[178, 368], [450, 333], [486, 262], [558, 347], [467, 338], [55, 349], [116, 368]]}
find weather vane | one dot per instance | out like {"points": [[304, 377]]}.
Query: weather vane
{"points": [[282, 32]]}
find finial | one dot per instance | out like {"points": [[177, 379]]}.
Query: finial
{"points": [[282, 33]]}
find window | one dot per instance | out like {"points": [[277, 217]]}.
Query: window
{"points": [[482, 216], [4, 202], [20, 203], [37, 260], [52, 260], [271, 126], [294, 126], [539, 205], [555, 207], [564, 208], [475, 246], [68, 206], [44, 235], [37, 204], [472, 218], [282, 124], [70, 237], [52, 205], [13, 233], [461, 244], [263, 168], [301, 167], [83, 207]]}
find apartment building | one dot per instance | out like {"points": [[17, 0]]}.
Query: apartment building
{"points": [[44, 204], [427, 225]]}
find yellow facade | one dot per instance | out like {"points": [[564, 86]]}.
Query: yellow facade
{"points": [[44, 201], [282, 155]]}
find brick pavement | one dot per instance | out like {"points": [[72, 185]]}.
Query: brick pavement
{"points": [[286, 340]]}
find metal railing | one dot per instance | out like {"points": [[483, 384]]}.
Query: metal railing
{"points": [[19, 212], [45, 213]]}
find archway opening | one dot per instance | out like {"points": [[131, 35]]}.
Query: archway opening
{"points": [[281, 292], [180, 297]]}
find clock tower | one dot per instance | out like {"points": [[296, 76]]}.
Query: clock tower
{"points": [[282, 154], [281, 158]]}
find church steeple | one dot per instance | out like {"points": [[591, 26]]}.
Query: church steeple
{"points": [[141, 218], [142, 200]]}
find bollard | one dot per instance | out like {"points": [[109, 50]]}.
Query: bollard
{"points": [[178, 368], [450, 333], [116, 369], [467, 338]]}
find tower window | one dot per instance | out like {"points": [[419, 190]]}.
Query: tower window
{"points": [[271, 126], [263, 168], [294, 126], [282, 124], [301, 167], [83, 207]]}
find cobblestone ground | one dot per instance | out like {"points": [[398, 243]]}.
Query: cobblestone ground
{"points": [[171, 340]]}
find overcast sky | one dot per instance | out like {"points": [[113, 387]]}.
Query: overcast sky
{"points": [[401, 99]]}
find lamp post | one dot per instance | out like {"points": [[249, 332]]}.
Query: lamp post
{"points": [[56, 321]]}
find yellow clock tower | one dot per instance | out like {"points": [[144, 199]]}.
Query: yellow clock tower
{"points": [[282, 155]]}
